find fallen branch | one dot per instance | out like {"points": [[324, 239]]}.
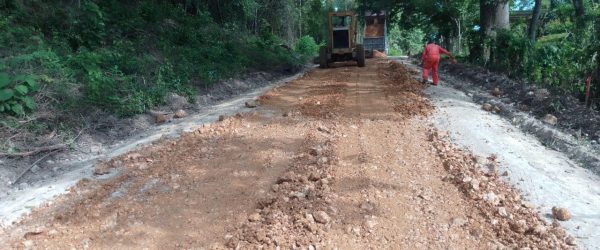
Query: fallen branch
{"points": [[32, 165], [35, 151]]}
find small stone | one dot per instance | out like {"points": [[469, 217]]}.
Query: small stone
{"points": [[180, 114], [491, 198], [28, 244], [251, 104], [52, 232], [497, 109], [487, 107], [321, 217], [496, 92], [475, 184], [367, 206], [35, 169], [520, 226], [502, 212], [323, 160], [550, 119], [570, 240], [561, 214], [221, 118], [370, 224], [324, 129], [254, 217], [458, 222], [298, 195], [540, 230], [309, 218], [476, 232], [161, 118]]}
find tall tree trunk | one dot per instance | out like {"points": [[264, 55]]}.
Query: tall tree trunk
{"points": [[535, 18], [502, 15], [579, 12], [494, 16]]}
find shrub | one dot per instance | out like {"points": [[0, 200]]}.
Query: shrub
{"points": [[14, 98], [307, 46]]}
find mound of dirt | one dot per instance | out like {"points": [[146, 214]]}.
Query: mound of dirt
{"points": [[379, 54], [399, 81], [297, 211]]}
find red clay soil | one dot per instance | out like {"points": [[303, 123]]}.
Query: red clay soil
{"points": [[379, 54], [342, 158]]}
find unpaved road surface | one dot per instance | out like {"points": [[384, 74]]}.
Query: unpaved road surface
{"points": [[342, 158]]}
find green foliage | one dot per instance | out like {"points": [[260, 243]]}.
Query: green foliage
{"points": [[405, 42], [307, 46], [14, 94], [124, 57]]}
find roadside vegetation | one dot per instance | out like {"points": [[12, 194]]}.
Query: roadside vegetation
{"points": [[551, 43], [63, 61]]}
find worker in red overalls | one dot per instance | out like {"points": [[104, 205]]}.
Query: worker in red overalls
{"points": [[431, 60]]}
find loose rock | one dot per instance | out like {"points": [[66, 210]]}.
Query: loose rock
{"points": [[487, 107], [561, 214], [251, 104], [161, 118], [550, 119], [180, 114], [254, 217], [496, 92], [321, 217]]}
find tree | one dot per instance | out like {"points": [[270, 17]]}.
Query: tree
{"points": [[535, 18], [494, 17], [579, 12]]}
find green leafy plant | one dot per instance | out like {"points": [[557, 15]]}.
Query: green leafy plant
{"points": [[14, 98]]}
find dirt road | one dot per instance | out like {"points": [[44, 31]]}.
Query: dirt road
{"points": [[340, 158]]}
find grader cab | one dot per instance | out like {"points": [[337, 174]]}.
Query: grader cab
{"points": [[342, 44]]}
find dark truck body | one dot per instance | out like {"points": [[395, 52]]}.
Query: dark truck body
{"points": [[375, 36]]}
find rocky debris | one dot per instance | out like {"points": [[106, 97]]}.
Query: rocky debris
{"points": [[252, 104], [561, 214], [180, 114], [514, 222], [297, 210], [487, 107], [550, 119], [496, 92], [161, 118], [399, 83]]}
